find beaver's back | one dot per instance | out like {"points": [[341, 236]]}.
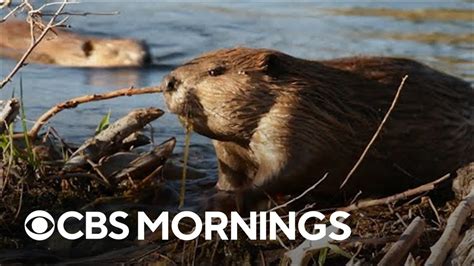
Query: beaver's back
{"points": [[431, 130]]}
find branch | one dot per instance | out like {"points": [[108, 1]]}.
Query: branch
{"points": [[411, 192], [72, 103], [374, 137]]}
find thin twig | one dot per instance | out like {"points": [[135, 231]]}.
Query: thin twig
{"points": [[300, 195], [12, 12], [379, 129], [83, 14], [435, 211]]}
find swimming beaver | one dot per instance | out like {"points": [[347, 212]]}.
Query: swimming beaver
{"points": [[279, 123], [70, 49]]}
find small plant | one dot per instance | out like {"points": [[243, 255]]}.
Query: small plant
{"points": [[104, 123], [9, 151], [30, 155]]}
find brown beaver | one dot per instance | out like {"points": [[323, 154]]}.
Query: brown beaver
{"points": [[279, 123], [70, 49]]}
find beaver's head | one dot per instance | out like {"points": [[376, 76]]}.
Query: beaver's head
{"points": [[224, 93], [115, 52]]}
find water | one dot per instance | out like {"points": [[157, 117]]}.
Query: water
{"points": [[177, 32]]}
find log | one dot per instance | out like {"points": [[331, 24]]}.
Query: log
{"points": [[110, 140], [8, 113], [398, 252]]}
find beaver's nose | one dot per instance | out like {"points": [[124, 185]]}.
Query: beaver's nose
{"points": [[169, 83]]}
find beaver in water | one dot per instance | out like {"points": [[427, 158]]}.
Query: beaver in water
{"points": [[279, 123], [66, 48]]}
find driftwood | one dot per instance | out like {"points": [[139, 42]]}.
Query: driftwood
{"points": [[448, 239], [398, 252], [130, 165], [148, 162], [137, 139], [8, 113], [463, 254], [110, 140], [408, 193]]}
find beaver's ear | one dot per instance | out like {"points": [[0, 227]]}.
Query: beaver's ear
{"points": [[271, 64], [87, 47]]}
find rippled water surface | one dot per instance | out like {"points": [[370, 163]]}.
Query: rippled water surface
{"points": [[440, 34]]}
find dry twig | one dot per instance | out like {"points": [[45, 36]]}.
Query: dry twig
{"points": [[300, 195], [379, 129], [408, 193]]}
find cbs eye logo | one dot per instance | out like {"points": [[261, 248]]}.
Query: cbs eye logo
{"points": [[39, 225]]}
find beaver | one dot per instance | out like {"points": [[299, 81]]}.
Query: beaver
{"points": [[279, 123], [63, 47]]}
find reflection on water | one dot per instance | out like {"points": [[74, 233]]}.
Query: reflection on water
{"points": [[437, 33], [115, 78]]}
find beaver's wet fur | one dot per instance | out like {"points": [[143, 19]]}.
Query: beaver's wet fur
{"points": [[279, 123], [65, 48]]}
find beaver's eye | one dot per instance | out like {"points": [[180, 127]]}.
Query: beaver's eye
{"points": [[216, 71]]}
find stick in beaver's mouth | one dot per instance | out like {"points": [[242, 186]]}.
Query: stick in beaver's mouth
{"points": [[188, 128]]}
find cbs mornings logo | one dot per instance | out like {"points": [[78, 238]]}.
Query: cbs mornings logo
{"points": [[258, 226]]}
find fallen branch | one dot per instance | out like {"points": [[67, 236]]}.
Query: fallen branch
{"points": [[110, 140], [403, 195], [446, 242], [72, 103], [379, 129], [8, 113], [398, 252]]}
